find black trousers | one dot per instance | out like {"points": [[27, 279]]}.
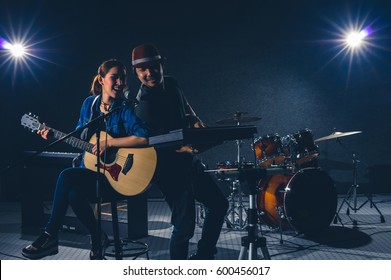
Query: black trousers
{"points": [[182, 180]]}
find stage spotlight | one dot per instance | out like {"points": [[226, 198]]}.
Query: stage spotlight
{"points": [[17, 50], [352, 41], [21, 50], [18, 54], [355, 39]]}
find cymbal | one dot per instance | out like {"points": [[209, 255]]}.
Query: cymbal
{"points": [[337, 134], [237, 117], [237, 114], [236, 121]]}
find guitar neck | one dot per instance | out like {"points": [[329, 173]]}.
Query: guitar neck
{"points": [[73, 141]]}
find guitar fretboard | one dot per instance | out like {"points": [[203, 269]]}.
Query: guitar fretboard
{"points": [[73, 141]]}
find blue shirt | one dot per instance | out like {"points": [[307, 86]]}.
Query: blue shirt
{"points": [[121, 123]]}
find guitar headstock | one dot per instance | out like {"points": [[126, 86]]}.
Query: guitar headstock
{"points": [[31, 122]]}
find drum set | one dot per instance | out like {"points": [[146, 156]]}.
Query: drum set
{"points": [[303, 199]]}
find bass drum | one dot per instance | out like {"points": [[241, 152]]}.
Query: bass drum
{"points": [[306, 201]]}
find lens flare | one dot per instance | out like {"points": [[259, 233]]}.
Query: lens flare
{"points": [[17, 50], [20, 54], [355, 39]]}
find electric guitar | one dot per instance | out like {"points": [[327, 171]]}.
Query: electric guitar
{"points": [[128, 170]]}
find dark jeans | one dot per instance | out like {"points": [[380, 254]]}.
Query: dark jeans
{"points": [[77, 187], [181, 179]]}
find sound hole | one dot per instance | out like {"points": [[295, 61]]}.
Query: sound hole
{"points": [[110, 156]]}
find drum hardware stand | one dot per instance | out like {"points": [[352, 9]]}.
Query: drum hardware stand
{"points": [[352, 194], [292, 142], [236, 186], [252, 241], [231, 213], [281, 216], [238, 145]]}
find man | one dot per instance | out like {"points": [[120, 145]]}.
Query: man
{"points": [[179, 175]]}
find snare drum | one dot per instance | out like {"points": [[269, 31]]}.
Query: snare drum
{"points": [[229, 170], [301, 146], [226, 165], [234, 164], [268, 150]]}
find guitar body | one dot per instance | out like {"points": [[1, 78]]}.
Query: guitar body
{"points": [[128, 170]]}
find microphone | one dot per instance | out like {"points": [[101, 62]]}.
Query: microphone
{"points": [[128, 98], [126, 93], [141, 108]]}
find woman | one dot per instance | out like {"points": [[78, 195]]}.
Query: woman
{"points": [[76, 186]]}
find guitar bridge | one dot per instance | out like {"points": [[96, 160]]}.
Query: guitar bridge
{"points": [[128, 164]]}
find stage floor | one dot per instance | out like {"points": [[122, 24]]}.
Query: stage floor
{"points": [[367, 240]]}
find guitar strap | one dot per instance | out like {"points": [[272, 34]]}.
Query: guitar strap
{"points": [[85, 135], [93, 112]]}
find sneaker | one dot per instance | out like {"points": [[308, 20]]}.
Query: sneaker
{"points": [[45, 245], [200, 256], [95, 254]]}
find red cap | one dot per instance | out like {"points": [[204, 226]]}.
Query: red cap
{"points": [[145, 55]]}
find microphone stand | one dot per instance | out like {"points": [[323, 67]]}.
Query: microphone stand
{"points": [[100, 120], [97, 187]]}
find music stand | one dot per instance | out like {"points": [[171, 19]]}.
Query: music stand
{"points": [[352, 194]]}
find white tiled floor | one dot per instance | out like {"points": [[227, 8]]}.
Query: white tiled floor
{"points": [[370, 239]]}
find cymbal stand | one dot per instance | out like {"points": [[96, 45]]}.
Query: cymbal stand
{"points": [[235, 213], [351, 196]]}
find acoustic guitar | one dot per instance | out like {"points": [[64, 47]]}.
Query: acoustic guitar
{"points": [[128, 170]]}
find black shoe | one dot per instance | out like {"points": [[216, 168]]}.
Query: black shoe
{"points": [[201, 256], [95, 253], [45, 245]]}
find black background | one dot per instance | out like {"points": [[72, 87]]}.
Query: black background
{"points": [[272, 59]]}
